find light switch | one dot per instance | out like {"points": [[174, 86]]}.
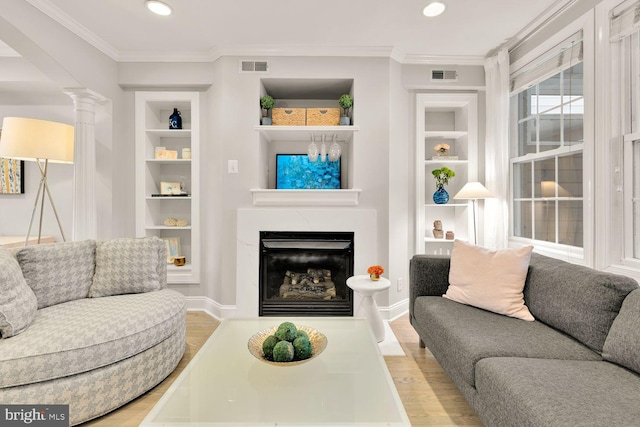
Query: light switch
{"points": [[233, 166]]}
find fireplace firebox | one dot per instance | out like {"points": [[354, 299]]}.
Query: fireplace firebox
{"points": [[305, 273]]}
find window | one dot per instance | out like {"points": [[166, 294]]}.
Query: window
{"points": [[547, 142]]}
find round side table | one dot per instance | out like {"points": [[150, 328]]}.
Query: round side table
{"points": [[368, 308]]}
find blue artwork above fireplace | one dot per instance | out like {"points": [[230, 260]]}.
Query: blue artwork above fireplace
{"points": [[296, 172]]}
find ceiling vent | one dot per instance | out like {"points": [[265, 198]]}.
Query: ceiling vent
{"points": [[254, 67], [444, 76]]}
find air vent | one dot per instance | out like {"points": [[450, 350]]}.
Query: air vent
{"points": [[254, 67], [444, 75]]}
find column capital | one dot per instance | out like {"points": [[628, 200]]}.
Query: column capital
{"points": [[84, 99]]}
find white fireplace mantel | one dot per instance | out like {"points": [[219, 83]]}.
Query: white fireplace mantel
{"points": [[250, 222]]}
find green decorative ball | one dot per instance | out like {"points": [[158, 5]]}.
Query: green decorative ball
{"points": [[283, 352], [267, 346], [286, 332], [302, 348], [302, 333]]}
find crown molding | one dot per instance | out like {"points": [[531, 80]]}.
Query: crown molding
{"points": [[53, 12], [443, 59]]}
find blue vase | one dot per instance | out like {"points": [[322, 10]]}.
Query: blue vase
{"points": [[440, 197], [175, 120]]}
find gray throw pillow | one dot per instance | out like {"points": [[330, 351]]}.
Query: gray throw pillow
{"points": [[58, 272], [128, 266], [18, 303], [623, 342]]}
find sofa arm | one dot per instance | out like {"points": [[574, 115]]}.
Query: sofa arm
{"points": [[428, 276]]}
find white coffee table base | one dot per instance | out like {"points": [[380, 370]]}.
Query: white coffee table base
{"points": [[368, 308]]}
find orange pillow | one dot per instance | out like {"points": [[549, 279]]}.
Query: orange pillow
{"points": [[491, 280]]}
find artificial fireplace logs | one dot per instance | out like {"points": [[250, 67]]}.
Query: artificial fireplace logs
{"points": [[315, 283]]}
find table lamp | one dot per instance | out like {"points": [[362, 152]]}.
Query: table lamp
{"points": [[40, 141], [474, 191]]}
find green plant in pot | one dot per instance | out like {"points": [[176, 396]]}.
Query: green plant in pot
{"points": [[442, 176], [266, 103], [346, 102]]}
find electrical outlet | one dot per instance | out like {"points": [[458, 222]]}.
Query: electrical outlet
{"points": [[233, 166], [400, 284]]}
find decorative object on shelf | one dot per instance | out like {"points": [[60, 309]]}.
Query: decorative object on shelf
{"points": [[437, 229], [170, 188], [266, 104], [289, 116], [175, 222], [442, 149], [175, 120], [287, 344], [43, 142], [442, 177], [474, 191], [450, 235], [323, 116], [346, 102], [165, 154], [375, 271], [172, 245], [179, 261], [186, 153]]}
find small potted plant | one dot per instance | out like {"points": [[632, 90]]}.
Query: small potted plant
{"points": [[346, 102], [266, 103], [375, 271], [442, 176]]}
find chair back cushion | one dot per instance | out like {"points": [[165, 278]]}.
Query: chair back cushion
{"points": [[622, 345]]}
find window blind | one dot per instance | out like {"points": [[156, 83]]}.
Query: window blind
{"points": [[626, 21], [563, 56]]}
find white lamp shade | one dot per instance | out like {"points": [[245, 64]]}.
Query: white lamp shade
{"points": [[473, 190], [30, 139]]}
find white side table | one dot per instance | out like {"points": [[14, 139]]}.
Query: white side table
{"points": [[368, 308]]}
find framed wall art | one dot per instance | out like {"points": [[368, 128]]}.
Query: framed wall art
{"points": [[11, 176], [173, 248]]}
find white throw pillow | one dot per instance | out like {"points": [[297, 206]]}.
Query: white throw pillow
{"points": [[17, 301], [491, 280]]}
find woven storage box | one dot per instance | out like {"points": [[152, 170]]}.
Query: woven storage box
{"points": [[323, 116], [288, 116]]}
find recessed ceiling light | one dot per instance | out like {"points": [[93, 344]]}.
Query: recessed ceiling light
{"points": [[158, 7], [434, 9]]}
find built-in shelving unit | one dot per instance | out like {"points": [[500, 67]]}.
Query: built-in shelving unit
{"points": [[273, 140], [152, 111], [452, 119]]}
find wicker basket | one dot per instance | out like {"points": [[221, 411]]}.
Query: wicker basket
{"points": [[288, 116], [323, 116]]}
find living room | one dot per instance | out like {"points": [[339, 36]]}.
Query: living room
{"points": [[59, 67]]}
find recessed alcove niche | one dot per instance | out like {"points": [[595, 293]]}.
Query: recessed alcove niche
{"points": [[274, 140]]}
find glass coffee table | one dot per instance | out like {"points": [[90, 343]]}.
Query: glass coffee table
{"points": [[224, 385]]}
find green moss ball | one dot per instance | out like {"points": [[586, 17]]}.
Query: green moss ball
{"points": [[267, 346], [302, 348], [302, 333], [283, 352], [286, 332]]}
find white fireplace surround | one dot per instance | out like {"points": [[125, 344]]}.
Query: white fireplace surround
{"points": [[250, 222]]}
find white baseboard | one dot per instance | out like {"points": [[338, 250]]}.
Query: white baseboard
{"points": [[220, 311]]}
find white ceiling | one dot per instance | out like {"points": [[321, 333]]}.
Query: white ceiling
{"points": [[205, 29]]}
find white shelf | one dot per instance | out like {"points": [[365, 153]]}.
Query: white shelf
{"points": [[434, 240], [152, 111], [445, 134], [304, 133], [446, 205], [345, 197], [452, 162]]}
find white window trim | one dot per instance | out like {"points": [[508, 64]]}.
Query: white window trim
{"points": [[585, 255]]}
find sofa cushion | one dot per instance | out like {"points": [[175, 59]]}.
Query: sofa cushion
{"points": [[556, 393], [18, 303], [58, 272], [125, 266], [623, 342], [470, 334], [577, 300], [489, 279], [89, 333]]}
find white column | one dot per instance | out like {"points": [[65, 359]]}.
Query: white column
{"points": [[84, 160]]}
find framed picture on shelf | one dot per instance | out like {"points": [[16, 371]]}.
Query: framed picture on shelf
{"points": [[169, 188], [11, 176], [173, 248]]}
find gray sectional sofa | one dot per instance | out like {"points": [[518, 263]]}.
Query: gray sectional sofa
{"points": [[577, 364], [89, 324]]}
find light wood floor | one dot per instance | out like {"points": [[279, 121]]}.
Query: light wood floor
{"points": [[428, 396]]}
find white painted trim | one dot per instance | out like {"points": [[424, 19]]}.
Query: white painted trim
{"points": [[345, 197], [211, 307], [394, 311]]}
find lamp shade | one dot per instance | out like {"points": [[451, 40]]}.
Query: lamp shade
{"points": [[473, 190], [30, 139]]}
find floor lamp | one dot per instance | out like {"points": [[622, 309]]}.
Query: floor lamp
{"points": [[474, 191], [43, 142]]}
